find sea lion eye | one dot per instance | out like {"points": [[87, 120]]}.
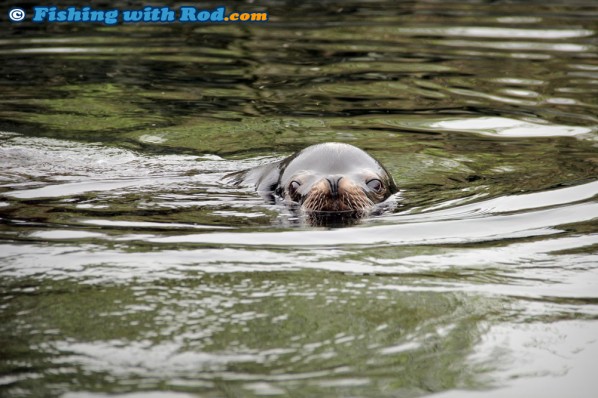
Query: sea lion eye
{"points": [[294, 185], [375, 185]]}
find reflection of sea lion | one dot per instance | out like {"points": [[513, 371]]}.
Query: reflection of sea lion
{"points": [[330, 181]]}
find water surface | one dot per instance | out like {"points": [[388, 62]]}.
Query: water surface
{"points": [[128, 267]]}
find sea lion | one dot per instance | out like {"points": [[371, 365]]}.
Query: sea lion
{"points": [[329, 182]]}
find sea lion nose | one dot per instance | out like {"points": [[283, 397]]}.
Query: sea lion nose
{"points": [[333, 182]]}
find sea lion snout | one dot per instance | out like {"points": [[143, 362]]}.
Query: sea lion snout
{"points": [[336, 194], [333, 182]]}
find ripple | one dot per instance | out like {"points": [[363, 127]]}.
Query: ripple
{"points": [[530, 224], [498, 32], [520, 45], [505, 127]]}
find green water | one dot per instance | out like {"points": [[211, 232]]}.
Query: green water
{"points": [[127, 267]]}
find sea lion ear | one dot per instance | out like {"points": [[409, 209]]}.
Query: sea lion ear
{"points": [[270, 178]]}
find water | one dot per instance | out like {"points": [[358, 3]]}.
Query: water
{"points": [[128, 267]]}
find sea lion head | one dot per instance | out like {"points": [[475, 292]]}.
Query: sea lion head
{"points": [[334, 180]]}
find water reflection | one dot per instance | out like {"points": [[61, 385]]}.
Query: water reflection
{"points": [[508, 127], [498, 32], [218, 333]]}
